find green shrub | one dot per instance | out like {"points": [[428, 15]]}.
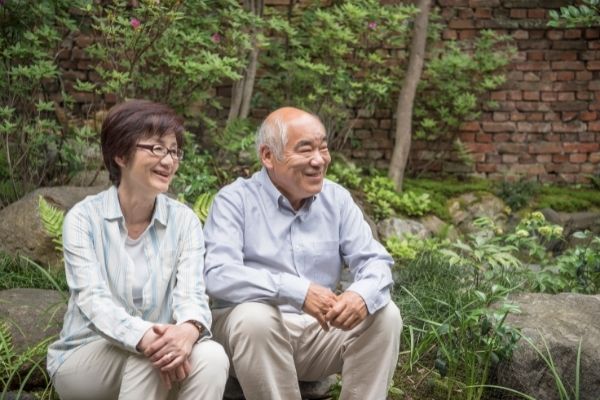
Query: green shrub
{"points": [[517, 194], [17, 272]]}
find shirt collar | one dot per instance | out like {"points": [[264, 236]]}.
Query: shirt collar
{"points": [[113, 210], [279, 199]]}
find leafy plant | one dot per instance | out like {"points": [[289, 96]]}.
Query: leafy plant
{"points": [[345, 173], [413, 204], [19, 272], [333, 59], [586, 14], [52, 220], [517, 194], [202, 205]]}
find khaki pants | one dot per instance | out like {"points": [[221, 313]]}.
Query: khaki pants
{"points": [[100, 370], [270, 351]]}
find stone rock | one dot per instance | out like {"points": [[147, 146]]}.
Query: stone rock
{"points": [[399, 227], [571, 223], [468, 207], [21, 230], [562, 320], [309, 390], [438, 227], [90, 178], [32, 315]]}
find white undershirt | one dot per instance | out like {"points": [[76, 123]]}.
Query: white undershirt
{"points": [[135, 250]]}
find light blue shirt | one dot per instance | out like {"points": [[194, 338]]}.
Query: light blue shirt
{"points": [[100, 274], [259, 249]]}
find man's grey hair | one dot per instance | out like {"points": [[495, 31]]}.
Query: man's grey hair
{"points": [[273, 134]]}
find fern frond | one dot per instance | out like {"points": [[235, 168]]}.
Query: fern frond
{"points": [[52, 219], [202, 205]]}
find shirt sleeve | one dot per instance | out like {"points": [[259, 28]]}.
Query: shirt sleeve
{"points": [[89, 288], [227, 278], [369, 262], [190, 301]]}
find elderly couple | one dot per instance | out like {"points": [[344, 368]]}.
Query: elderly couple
{"points": [[140, 269]]}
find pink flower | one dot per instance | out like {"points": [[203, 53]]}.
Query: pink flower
{"points": [[135, 23], [216, 38], [372, 25]]}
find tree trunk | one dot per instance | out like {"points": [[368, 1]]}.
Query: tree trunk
{"points": [[241, 92], [404, 109]]}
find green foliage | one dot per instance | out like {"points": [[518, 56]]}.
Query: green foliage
{"points": [[454, 83], [413, 204], [196, 174], [332, 60], [169, 51], [517, 194], [202, 205], [35, 136], [17, 272], [385, 201], [568, 199], [52, 220], [16, 368], [583, 15], [345, 173]]}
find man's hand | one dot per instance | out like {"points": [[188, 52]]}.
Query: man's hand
{"points": [[318, 302], [173, 347], [349, 311]]}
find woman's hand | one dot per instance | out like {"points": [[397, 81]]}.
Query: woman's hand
{"points": [[176, 375], [173, 346]]}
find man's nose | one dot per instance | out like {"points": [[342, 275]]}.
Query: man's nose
{"points": [[317, 159]]}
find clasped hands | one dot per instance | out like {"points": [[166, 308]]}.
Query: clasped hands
{"points": [[168, 348], [343, 312]]}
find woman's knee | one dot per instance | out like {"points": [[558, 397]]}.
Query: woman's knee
{"points": [[209, 355]]}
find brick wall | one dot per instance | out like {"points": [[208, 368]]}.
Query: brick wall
{"points": [[546, 125]]}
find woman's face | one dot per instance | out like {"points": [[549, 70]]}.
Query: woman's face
{"points": [[146, 170]]}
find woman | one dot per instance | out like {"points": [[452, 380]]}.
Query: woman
{"points": [[137, 323]]}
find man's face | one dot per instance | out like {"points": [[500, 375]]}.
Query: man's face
{"points": [[305, 159]]}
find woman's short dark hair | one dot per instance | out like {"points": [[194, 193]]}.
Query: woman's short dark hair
{"points": [[127, 123]]}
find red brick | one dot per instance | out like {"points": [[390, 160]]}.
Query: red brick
{"points": [[515, 95], [536, 13], [535, 66], [510, 158], [586, 137], [544, 148], [480, 147], [555, 35], [530, 95], [566, 96], [520, 34], [583, 95], [535, 55], [584, 76], [535, 117], [461, 24], [467, 34], [518, 137], [595, 158], [465, 13], [572, 127], [569, 178], [549, 96], [450, 34], [483, 13], [568, 116], [542, 127], [565, 76], [466, 137], [470, 126], [578, 158], [483, 138], [560, 158], [544, 158], [518, 13], [594, 126], [594, 85], [593, 65], [568, 65], [595, 106], [498, 95], [518, 116], [552, 137], [511, 148], [592, 33], [486, 167], [498, 127], [501, 137], [500, 116], [581, 147], [587, 168], [564, 167], [588, 115], [594, 44], [551, 116], [573, 34], [528, 169]]}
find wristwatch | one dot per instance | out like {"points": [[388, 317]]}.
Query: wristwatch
{"points": [[198, 326]]}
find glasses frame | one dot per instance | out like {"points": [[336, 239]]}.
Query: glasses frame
{"points": [[161, 151]]}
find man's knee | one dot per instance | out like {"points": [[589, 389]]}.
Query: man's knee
{"points": [[389, 319], [255, 322]]}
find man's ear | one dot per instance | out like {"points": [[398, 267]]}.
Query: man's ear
{"points": [[266, 156]]}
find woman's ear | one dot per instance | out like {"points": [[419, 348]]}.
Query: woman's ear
{"points": [[121, 161]]}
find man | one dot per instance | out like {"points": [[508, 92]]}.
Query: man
{"points": [[276, 244]]}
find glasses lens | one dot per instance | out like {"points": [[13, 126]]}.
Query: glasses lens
{"points": [[159, 150]]}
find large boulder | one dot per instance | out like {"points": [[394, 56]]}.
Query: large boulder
{"points": [[32, 316], [399, 227], [21, 231], [470, 206], [561, 321]]}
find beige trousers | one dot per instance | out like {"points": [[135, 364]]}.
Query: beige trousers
{"points": [[270, 351], [100, 370]]}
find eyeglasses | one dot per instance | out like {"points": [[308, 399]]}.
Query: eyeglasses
{"points": [[161, 151]]}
